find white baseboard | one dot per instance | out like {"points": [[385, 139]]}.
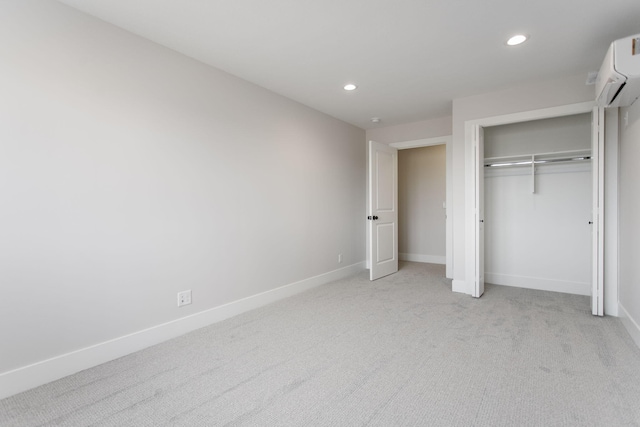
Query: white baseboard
{"points": [[538, 283], [39, 373], [630, 324], [460, 286], [431, 259]]}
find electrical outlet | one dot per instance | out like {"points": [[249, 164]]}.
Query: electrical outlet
{"points": [[339, 258], [184, 298]]}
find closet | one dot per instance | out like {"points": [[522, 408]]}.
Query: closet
{"points": [[538, 201]]}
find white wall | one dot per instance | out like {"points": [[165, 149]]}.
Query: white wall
{"points": [[611, 208], [564, 91], [129, 172], [539, 136], [629, 223], [411, 131], [539, 240], [421, 194]]}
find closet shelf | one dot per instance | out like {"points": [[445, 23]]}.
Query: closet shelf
{"points": [[532, 160], [538, 158]]}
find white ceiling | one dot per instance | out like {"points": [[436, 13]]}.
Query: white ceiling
{"points": [[409, 58]]}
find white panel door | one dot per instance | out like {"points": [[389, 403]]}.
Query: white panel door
{"points": [[383, 209], [597, 217], [479, 209]]}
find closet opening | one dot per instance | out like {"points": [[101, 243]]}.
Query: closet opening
{"points": [[538, 190]]}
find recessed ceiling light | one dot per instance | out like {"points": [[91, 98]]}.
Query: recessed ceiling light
{"points": [[375, 119], [350, 86], [517, 39]]}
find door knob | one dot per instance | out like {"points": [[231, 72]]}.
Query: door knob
{"points": [[375, 217]]}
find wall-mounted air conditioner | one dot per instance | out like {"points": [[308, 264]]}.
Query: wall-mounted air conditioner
{"points": [[618, 82]]}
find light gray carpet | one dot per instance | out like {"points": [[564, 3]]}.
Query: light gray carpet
{"points": [[403, 350]]}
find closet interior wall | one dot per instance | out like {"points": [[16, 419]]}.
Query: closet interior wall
{"points": [[537, 232]]}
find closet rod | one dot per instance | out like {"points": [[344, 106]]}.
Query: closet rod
{"points": [[528, 162], [548, 154]]}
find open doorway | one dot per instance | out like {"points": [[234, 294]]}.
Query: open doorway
{"points": [[421, 204], [372, 247], [443, 143]]}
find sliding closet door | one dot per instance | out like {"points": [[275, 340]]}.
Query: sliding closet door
{"points": [[597, 218], [479, 197]]}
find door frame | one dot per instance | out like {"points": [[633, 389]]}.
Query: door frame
{"points": [[430, 142], [471, 131], [427, 142]]}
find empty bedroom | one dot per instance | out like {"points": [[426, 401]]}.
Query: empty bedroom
{"points": [[330, 213]]}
